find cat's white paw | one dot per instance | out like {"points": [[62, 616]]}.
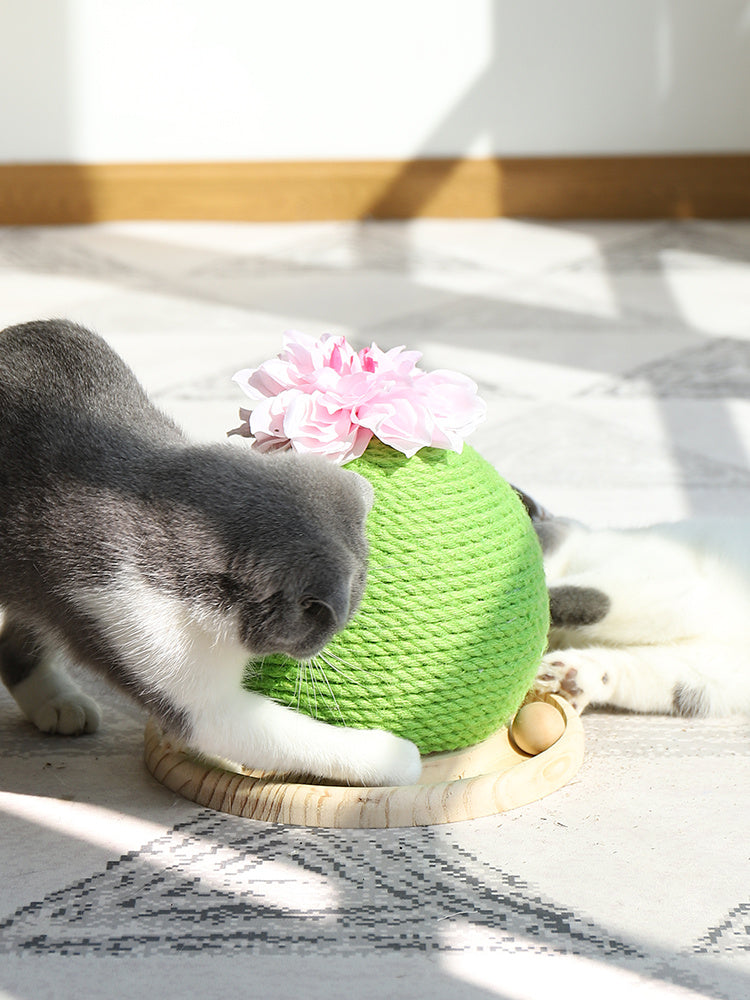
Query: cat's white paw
{"points": [[574, 674], [383, 759], [55, 703], [69, 714]]}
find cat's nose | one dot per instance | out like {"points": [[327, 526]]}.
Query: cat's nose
{"points": [[329, 609]]}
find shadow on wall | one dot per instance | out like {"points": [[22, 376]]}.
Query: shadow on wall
{"points": [[679, 71], [532, 94], [676, 69]]}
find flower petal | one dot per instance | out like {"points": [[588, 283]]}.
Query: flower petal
{"points": [[320, 395]]}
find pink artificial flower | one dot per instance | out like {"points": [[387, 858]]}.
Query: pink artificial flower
{"points": [[398, 361], [313, 424], [398, 419], [306, 422], [305, 363], [322, 396], [453, 401]]}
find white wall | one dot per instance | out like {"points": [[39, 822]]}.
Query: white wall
{"points": [[135, 80]]}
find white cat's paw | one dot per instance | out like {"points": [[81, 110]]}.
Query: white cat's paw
{"points": [[69, 714], [574, 674], [383, 759]]}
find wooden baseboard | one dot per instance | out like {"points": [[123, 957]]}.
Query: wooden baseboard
{"points": [[706, 186]]}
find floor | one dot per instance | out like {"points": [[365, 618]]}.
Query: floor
{"points": [[615, 362]]}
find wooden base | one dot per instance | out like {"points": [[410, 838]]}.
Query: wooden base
{"points": [[491, 777]]}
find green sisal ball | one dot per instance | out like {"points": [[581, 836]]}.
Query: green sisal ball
{"points": [[454, 620]]}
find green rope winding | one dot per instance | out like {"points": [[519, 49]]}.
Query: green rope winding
{"points": [[454, 619]]}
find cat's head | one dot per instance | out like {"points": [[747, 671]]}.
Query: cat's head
{"points": [[297, 552]]}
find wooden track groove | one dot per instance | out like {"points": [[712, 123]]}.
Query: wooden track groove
{"points": [[489, 778]]}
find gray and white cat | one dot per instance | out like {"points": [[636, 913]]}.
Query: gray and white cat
{"points": [[165, 566], [653, 619]]}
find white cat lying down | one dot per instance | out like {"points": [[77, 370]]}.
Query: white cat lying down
{"points": [[653, 619]]}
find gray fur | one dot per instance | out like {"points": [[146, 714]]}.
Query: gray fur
{"points": [[689, 701], [575, 607], [535, 510], [551, 534], [19, 653], [93, 477]]}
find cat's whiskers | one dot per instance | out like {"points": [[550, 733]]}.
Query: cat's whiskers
{"points": [[254, 667], [330, 655], [323, 674], [309, 674], [298, 686], [310, 685], [344, 668]]}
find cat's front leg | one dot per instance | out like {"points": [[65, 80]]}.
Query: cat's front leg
{"points": [[41, 687], [251, 730]]}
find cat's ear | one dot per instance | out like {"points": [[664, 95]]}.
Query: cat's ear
{"points": [[535, 510]]}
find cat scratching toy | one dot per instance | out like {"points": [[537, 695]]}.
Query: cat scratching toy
{"points": [[453, 623], [454, 619]]}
